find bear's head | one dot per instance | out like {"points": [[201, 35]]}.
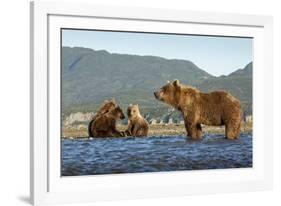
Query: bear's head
{"points": [[169, 93], [107, 106], [118, 113], [133, 111]]}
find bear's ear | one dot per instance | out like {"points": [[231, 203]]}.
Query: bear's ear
{"points": [[176, 82], [113, 100], [130, 105], [168, 82]]}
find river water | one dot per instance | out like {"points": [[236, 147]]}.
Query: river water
{"points": [[153, 154]]}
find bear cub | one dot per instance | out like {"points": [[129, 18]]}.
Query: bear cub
{"points": [[106, 107], [137, 125], [105, 125]]}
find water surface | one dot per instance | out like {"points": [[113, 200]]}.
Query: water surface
{"points": [[153, 154]]}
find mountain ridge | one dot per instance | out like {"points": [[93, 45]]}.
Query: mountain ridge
{"points": [[91, 76]]}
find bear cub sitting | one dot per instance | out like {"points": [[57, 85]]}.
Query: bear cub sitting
{"points": [[137, 125], [105, 125], [105, 108]]}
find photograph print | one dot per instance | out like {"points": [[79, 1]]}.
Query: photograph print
{"points": [[135, 102]]}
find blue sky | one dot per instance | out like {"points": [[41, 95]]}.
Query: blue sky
{"points": [[215, 55]]}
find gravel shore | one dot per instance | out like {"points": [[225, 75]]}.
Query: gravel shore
{"points": [[157, 129]]}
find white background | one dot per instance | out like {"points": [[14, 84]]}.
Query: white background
{"points": [[14, 94]]}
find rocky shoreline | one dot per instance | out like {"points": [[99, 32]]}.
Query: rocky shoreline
{"points": [[155, 130]]}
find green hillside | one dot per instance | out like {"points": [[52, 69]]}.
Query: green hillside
{"points": [[89, 77]]}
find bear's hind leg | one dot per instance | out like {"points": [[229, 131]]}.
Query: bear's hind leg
{"points": [[232, 131]]}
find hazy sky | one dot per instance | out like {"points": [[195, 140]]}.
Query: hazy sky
{"points": [[215, 55]]}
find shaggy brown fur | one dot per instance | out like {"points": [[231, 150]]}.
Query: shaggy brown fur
{"points": [[137, 125], [215, 108], [105, 125], [105, 108]]}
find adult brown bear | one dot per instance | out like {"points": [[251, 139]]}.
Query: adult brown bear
{"points": [[215, 108], [106, 107], [105, 125], [137, 125]]}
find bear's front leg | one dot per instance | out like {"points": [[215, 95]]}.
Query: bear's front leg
{"points": [[199, 131], [193, 130]]}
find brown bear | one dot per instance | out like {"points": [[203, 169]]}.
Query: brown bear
{"points": [[105, 125], [215, 108], [105, 108], [137, 125]]}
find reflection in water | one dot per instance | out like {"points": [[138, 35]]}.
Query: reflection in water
{"points": [[154, 154]]}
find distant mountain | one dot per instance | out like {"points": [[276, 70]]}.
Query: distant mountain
{"points": [[89, 77], [247, 71]]}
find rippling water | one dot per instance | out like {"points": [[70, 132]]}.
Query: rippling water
{"points": [[154, 154]]}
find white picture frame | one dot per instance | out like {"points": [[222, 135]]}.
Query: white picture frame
{"points": [[47, 186]]}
